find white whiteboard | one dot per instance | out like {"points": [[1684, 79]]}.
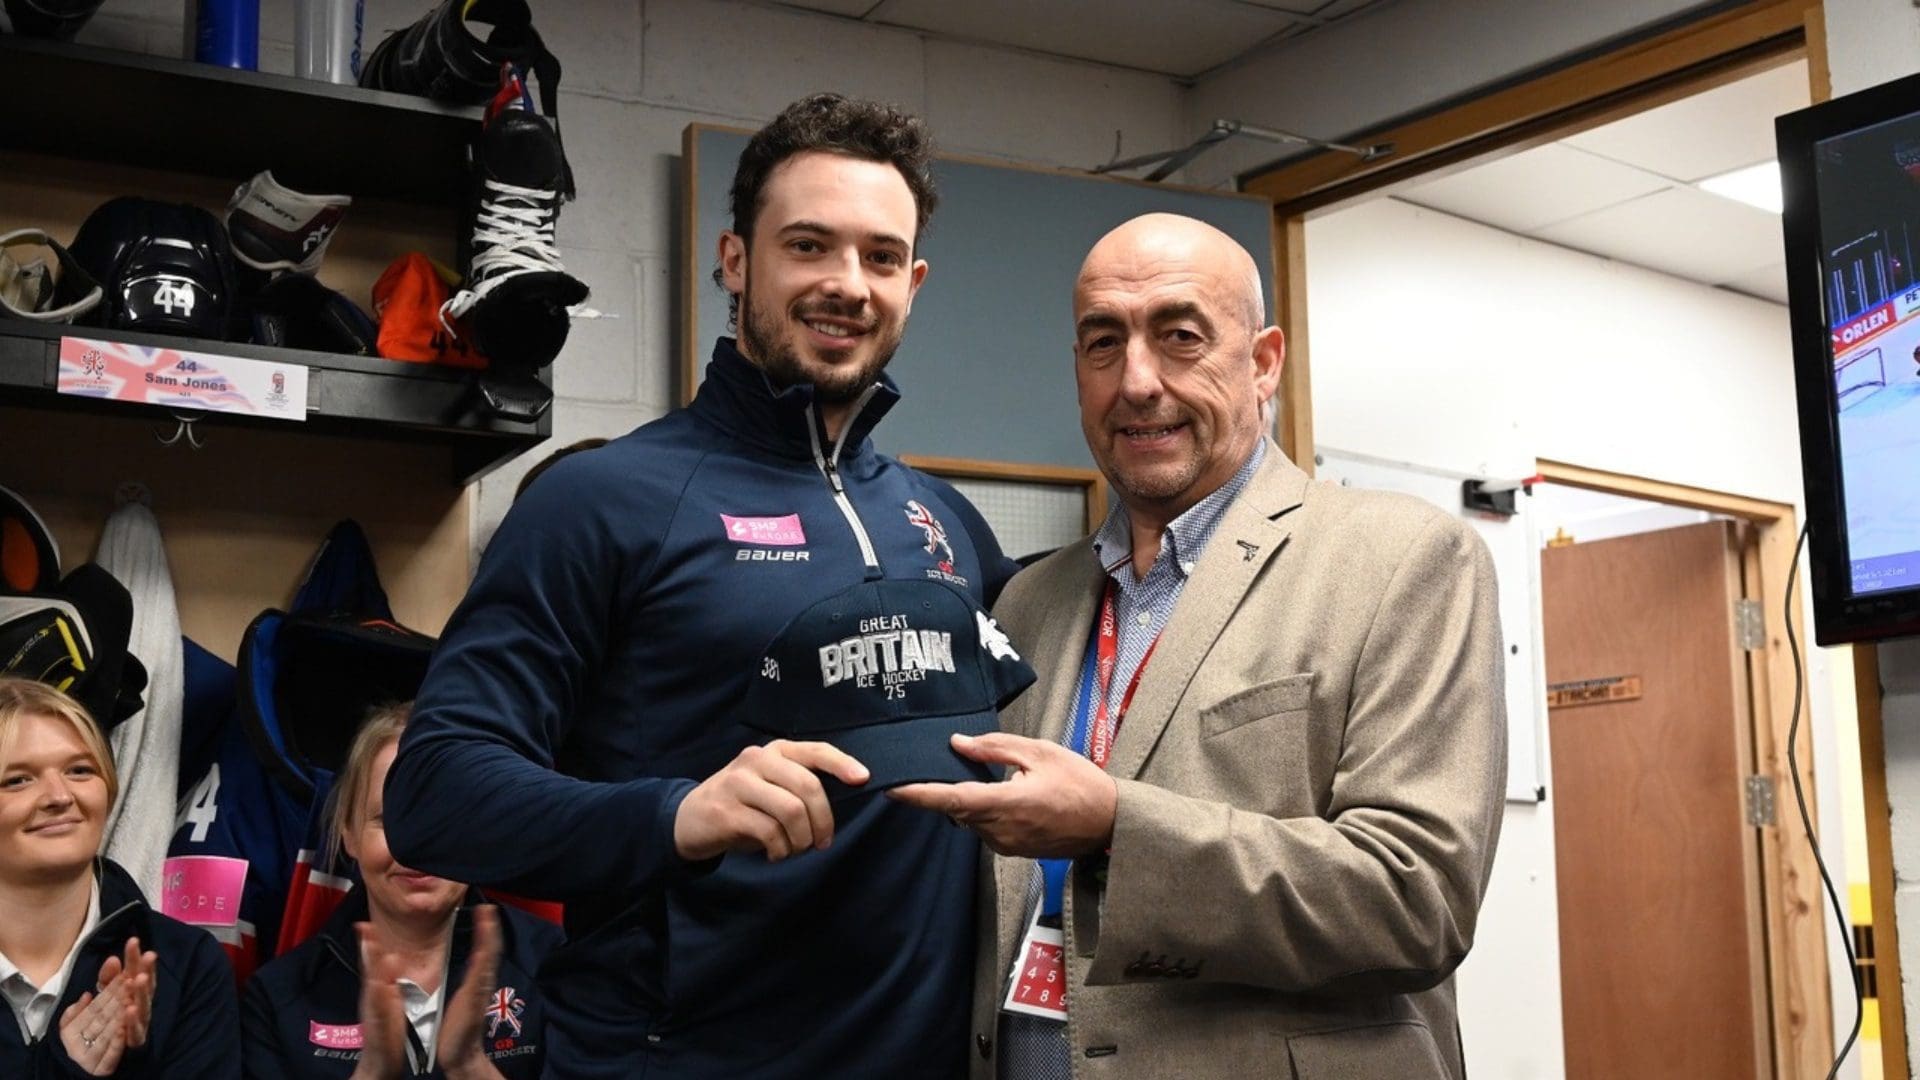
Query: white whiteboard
{"points": [[1516, 563]]}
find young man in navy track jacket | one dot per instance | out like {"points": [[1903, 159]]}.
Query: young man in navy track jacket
{"points": [[575, 737]]}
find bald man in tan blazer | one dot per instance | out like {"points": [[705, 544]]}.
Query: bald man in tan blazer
{"points": [[1280, 864]]}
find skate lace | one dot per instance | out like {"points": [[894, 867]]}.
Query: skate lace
{"points": [[513, 234]]}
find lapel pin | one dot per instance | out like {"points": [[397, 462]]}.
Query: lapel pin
{"points": [[1247, 551]]}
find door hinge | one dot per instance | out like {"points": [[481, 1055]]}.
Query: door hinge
{"points": [[1759, 801], [1749, 624]]}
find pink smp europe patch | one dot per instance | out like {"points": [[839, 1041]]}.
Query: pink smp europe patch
{"points": [[335, 1036], [771, 531]]}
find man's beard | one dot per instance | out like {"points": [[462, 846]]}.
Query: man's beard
{"points": [[1151, 483], [763, 341], [1150, 487]]}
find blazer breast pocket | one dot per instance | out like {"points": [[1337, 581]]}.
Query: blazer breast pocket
{"points": [[1289, 693], [1404, 1050]]}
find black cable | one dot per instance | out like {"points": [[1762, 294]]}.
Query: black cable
{"points": [[1806, 820]]}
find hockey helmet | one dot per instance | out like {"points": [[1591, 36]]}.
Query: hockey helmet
{"points": [[58, 19], [167, 268]]}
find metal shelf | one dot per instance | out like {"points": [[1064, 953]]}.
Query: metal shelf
{"points": [[354, 396], [112, 106]]}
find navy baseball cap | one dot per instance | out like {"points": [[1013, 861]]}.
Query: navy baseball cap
{"points": [[887, 671]]}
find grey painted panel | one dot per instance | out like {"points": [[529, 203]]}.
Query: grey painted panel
{"points": [[987, 368]]}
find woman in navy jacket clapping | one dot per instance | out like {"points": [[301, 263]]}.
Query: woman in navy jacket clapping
{"points": [[411, 976], [96, 983]]}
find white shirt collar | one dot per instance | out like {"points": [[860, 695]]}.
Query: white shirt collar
{"points": [[33, 1005], [423, 1013], [1185, 536]]}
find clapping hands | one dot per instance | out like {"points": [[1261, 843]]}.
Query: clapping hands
{"points": [[383, 1015], [99, 1029], [459, 1052]]}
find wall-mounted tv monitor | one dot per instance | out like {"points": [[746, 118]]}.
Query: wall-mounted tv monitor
{"points": [[1850, 175]]}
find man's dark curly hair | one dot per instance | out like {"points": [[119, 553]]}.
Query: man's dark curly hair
{"points": [[867, 130]]}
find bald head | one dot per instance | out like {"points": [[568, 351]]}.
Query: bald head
{"points": [[1173, 359], [1173, 239]]}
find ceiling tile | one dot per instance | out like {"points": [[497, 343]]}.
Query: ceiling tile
{"points": [[1337, 9], [1175, 39], [1539, 187], [1722, 129], [851, 8], [1313, 12], [1767, 283], [1681, 231]]}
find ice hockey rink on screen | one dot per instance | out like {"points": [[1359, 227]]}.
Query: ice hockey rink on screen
{"points": [[1877, 383]]}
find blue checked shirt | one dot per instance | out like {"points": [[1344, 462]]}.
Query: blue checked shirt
{"points": [[1033, 1048]]}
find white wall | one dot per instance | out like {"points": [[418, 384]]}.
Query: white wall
{"points": [[1448, 344], [1585, 516], [1502, 350]]}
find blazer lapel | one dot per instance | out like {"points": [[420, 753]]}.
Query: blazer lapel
{"points": [[1254, 530], [1056, 648]]}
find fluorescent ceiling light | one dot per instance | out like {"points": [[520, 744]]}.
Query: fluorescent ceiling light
{"points": [[1755, 185]]}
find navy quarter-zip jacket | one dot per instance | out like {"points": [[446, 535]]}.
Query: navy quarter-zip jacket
{"points": [[194, 1022], [587, 683], [297, 1008]]}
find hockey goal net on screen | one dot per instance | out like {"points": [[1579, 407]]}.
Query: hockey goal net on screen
{"points": [[1857, 376]]}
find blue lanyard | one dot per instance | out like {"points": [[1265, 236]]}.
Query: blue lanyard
{"points": [[1054, 871]]}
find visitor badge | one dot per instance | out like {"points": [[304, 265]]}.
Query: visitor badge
{"points": [[1039, 983]]}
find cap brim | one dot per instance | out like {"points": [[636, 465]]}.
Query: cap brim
{"points": [[913, 751]]}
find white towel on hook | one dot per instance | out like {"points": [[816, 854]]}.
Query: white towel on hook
{"points": [[146, 746]]}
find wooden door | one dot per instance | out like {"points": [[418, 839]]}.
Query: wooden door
{"points": [[1662, 958]]}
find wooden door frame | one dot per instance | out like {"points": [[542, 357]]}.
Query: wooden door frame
{"points": [[1553, 102], [1796, 912], [1542, 106], [1880, 882]]}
